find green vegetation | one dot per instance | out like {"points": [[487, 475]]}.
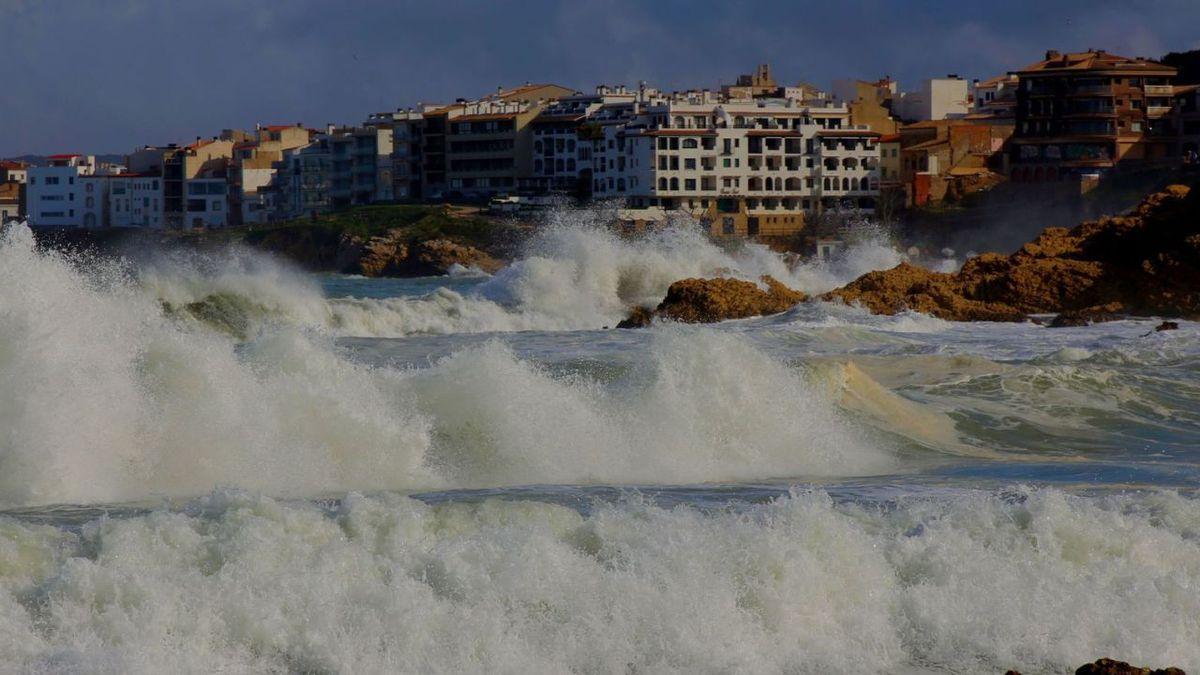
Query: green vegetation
{"points": [[418, 222]]}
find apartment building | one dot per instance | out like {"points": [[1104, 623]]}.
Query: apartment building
{"points": [[135, 200], [1186, 121], [55, 194], [1090, 112], [304, 180], [563, 134], [253, 175], [751, 168], [488, 153], [205, 161], [339, 168]]}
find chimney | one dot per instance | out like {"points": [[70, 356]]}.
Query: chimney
{"points": [[1052, 54]]}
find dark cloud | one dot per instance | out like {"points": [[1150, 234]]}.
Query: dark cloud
{"points": [[106, 75]]}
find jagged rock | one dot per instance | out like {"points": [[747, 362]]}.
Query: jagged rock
{"points": [[1166, 325], [640, 317], [710, 300], [394, 255], [437, 256], [1145, 262], [383, 256], [1111, 667]]}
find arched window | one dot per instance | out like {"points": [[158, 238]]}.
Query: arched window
{"points": [[845, 183], [853, 183], [778, 183], [690, 143], [679, 123], [90, 202], [831, 164], [826, 186], [90, 187]]}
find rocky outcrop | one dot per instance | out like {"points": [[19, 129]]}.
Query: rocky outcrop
{"points": [[1145, 262], [392, 254], [710, 300]]}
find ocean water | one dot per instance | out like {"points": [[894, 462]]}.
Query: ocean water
{"points": [[220, 463]]}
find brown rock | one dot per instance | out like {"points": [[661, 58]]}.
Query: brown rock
{"points": [[1146, 262], [640, 317], [437, 256], [1111, 667], [710, 300], [1166, 325], [393, 255]]}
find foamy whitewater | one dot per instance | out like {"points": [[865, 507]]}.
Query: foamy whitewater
{"points": [[219, 463]]}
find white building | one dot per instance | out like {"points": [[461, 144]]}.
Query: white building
{"points": [[748, 167], [941, 98], [562, 135], [53, 193], [73, 191], [135, 200]]}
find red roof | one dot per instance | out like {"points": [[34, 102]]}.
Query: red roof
{"points": [[890, 138], [63, 156], [281, 127]]}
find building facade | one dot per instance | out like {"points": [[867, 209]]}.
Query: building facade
{"points": [[1090, 112], [746, 168]]}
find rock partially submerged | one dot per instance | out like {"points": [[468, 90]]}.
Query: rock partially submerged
{"points": [[1145, 262], [393, 255], [710, 300], [1112, 667]]}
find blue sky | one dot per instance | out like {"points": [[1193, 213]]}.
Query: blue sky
{"points": [[108, 75]]}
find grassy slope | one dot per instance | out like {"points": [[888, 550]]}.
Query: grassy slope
{"points": [[314, 242]]}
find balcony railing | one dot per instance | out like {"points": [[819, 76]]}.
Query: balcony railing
{"points": [[1159, 90]]}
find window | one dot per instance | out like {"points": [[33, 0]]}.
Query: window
{"points": [[90, 202], [91, 187]]}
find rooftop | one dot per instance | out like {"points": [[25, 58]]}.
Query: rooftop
{"points": [[1094, 60]]}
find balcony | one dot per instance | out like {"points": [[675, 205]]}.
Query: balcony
{"points": [[1092, 90], [1156, 111], [1159, 90]]}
